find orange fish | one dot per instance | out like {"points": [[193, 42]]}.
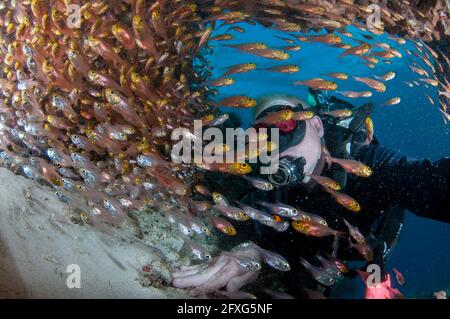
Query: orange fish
{"points": [[369, 128], [326, 182], [354, 94], [311, 228], [355, 233], [222, 82], [303, 115], [223, 225], [338, 113], [237, 101], [222, 37], [230, 168], [327, 38], [124, 36], [276, 117], [339, 76], [374, 84], [240, 68], [358, 50], [353, 167], [318, 84], [399, 277], [271, 54], [248, 46], [345, 201], [284, 69], [393, 101], [433, 82]]}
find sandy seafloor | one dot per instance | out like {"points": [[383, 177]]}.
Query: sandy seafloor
{"points": [[39, 239]]}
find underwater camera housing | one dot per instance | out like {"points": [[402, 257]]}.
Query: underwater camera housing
{"points": [[289, 173]]}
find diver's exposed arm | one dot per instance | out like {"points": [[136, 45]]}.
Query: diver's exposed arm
{"points": [[420, 186]]}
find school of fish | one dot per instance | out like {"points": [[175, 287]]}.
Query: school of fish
{"points": [[89, 110]]}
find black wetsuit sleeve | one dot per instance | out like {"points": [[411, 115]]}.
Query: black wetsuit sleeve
{"points": [[419, 185]]}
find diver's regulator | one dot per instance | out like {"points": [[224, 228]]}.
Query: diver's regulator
{"points": [[290, 172]]}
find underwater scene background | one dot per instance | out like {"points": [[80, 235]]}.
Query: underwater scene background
{"points": [[88, 115], [415, 127]]}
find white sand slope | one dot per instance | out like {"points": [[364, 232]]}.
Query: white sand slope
{"points": [[38, 243]]}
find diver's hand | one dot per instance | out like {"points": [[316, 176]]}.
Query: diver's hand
{"points": [[383, 290], [223, 271]]}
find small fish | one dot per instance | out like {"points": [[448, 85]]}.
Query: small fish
{"points": [[232, 212], [330, 267], [386, 77], [327, 38], [354, 94], [432, 82], [430, 98], [230, 168], [276, 117], [446, 94], [343, 268], [355, 233], [236, 28], [345, 201], [197, 251], [255, 214], [358, 50], [315, 218], [303, 115], [318, 274], [219, 120], [62, 198], [339, 76], [311, 228], [239, 101], [353, 167], [369, 128], [245, 262], [399, 277], [202, 190], [259, 183], [318, 84], [279, 208], [272, 54], [339, 113], [240, 68], [248, 47], [374, 84], [124, 36], [220, 199], [364, 250], [224, 226], [393, 101], [222, 37], [326, 182], [221, 82], [408, 84], [284, 69], [273, 259], [293, 48]]}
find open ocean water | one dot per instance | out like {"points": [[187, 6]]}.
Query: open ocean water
{"points": [[415, 127]]}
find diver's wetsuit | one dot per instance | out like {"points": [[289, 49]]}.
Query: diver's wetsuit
{"points": [[397, 181]]}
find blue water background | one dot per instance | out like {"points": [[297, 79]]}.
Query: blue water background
{"points": [[414, 126]]}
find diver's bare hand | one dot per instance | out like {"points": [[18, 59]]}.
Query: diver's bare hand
{"points": [[226, 270]]}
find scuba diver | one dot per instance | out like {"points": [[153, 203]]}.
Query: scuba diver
{"points": [[397, 183]]}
